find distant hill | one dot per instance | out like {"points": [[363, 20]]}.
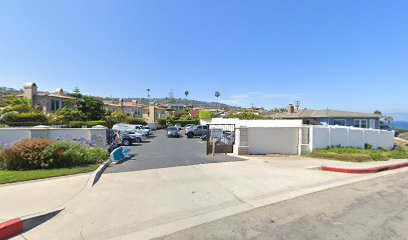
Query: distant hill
{"points": [[146, 101], [7, 90], [189, 102]]}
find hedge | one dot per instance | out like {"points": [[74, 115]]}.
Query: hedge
{"points": [[137, 121], [31, 117], [185, 122], [89, 124]]}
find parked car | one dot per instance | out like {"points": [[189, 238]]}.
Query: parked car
{"points": [[124, 127], [178, 126], [172, 132], [188, 126], [198, 130], [131, 136]]}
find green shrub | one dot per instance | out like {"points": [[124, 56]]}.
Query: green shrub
{"points": [[27, 154], [96, 155], [161, 121], [65, 154], [206, 115], [185, 122], [368, 146], [24, 119], [89, 124], [137, 121], [95, 123]]}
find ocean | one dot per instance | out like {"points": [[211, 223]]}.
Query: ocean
{"points": [[399, 124]]}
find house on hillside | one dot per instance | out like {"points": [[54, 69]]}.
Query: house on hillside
{"points": [[331, 117], [45, 101], [132, 109]]}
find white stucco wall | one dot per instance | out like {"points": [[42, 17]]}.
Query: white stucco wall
{"points": [[254, 123], [269, 140], [9, 135]]}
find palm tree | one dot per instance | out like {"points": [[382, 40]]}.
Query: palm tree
{"points": [[186, 93], [389, 119], [217, 94], [148, 92], [377, 112]]}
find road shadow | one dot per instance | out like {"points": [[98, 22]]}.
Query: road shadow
{"points": [[130, 156]]}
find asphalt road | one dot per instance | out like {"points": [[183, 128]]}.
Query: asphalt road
{"points": [[372, 209], [158, 151]]}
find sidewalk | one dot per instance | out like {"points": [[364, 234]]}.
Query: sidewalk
{"points": [[27, 198]]}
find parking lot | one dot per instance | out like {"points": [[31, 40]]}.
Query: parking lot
{"points": [[158, 151]]}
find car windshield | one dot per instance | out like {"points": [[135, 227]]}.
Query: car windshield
{"points": [[172, 129]]}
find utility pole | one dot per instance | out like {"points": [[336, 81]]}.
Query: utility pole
{"points": [[297, 104]]}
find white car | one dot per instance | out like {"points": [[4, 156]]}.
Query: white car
{"points": [[131, 136], [124, 127]]}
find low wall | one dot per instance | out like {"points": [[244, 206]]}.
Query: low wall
{"points": [[327, 136], [9, 135]]}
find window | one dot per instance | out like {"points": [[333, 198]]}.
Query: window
{"points": [[339, 122], [361, 123], [52, 105], [204, 127], [57, 104]]}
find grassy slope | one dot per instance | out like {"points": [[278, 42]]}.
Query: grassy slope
{"points": [[360, 155], [18, 176]]}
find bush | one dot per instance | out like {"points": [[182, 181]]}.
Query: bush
{"points": [[27, 154], [96, 155], [65, 154], [206, 115], [24, 119], [137, 121], [161, 121], [185, 122], [89, 124], [368, 146]]}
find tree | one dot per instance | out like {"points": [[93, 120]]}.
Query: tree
{"points": [[76, 93], [377, 112], [206, 115], [186, 93], [119, 115], [389, 119], [17, 104], [148, 92], [71, 114], [92, 107], [217, 94]]}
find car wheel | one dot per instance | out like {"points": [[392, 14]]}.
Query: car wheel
{"points": [[126, 142], [190, 135], [138, 140]]}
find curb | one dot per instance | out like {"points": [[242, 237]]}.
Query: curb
{"points": [[96, 175], [17, 226], [365, 170]]}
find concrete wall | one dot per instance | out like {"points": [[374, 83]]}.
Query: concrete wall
{"points": [[254, 123], [326, 136], [9, 135]]}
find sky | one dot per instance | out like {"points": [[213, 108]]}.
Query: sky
{"points": [[338, 54]]}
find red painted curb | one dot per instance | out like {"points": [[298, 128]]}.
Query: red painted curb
{"points": [[365, 170], [11, 228]]}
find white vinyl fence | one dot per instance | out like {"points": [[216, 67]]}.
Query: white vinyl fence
{"points": [[327, 136], [298, 140]]}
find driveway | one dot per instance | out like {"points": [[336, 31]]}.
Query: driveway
{"points": [[158, 151], [160, 200]]}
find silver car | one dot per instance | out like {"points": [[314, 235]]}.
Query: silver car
{"points": [[172, 132]]}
